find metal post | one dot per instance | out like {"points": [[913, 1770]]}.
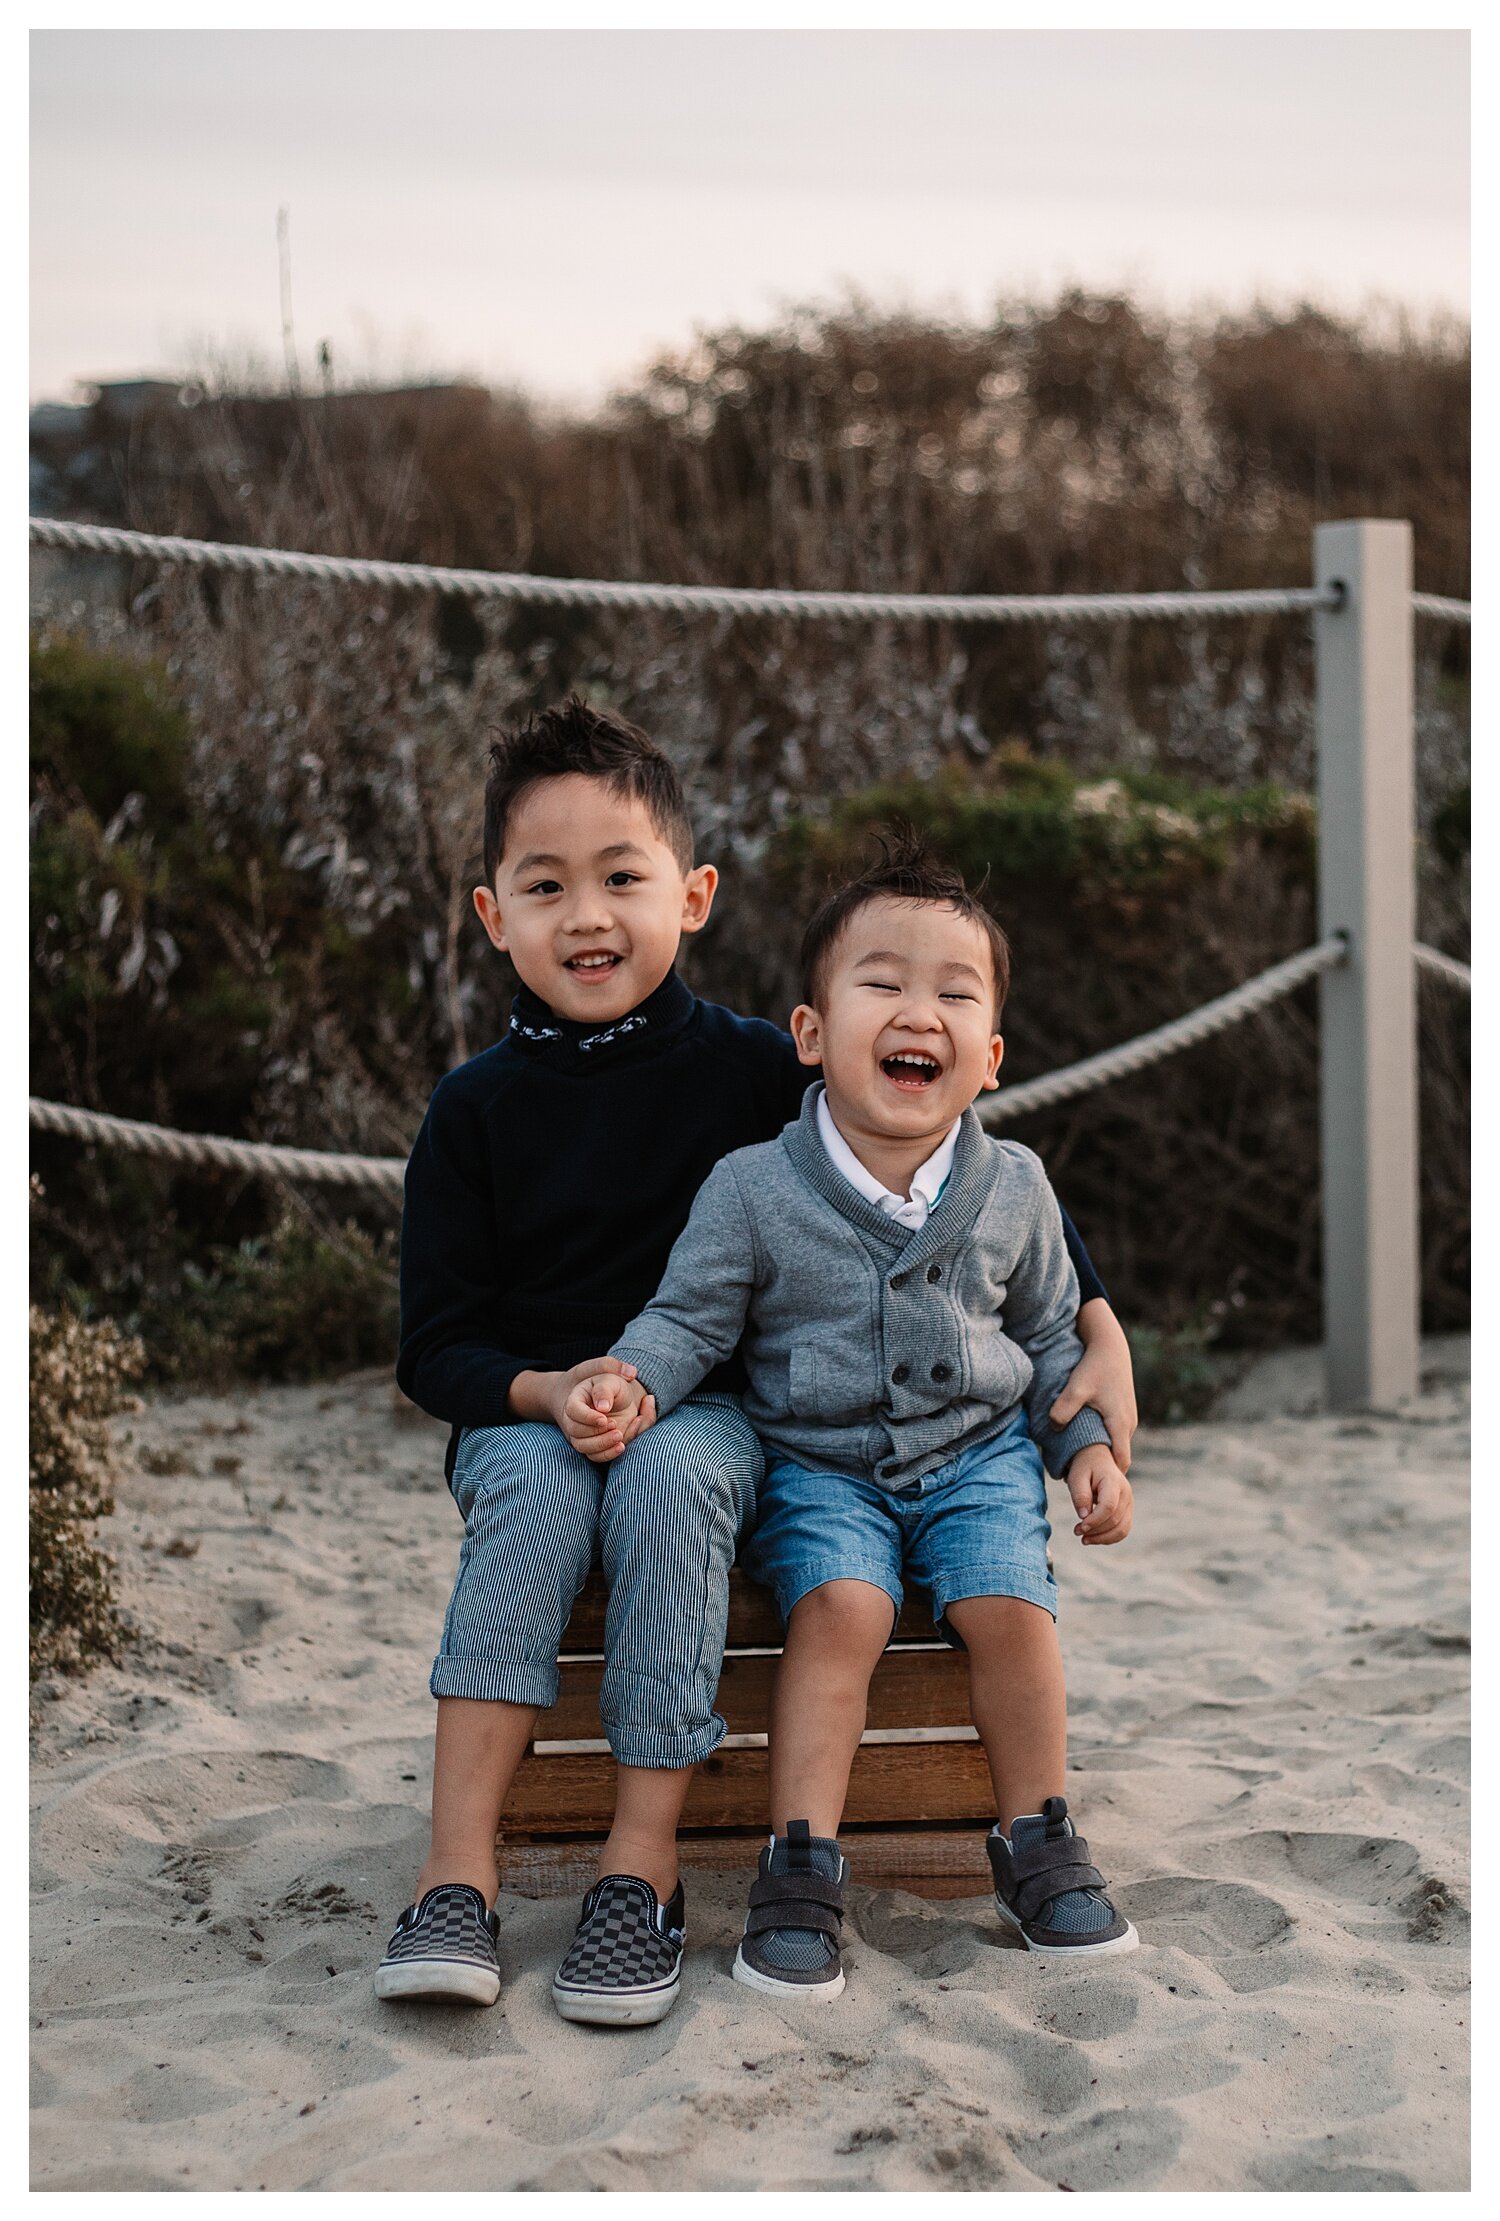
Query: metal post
{"points": [[1368, 1017]]}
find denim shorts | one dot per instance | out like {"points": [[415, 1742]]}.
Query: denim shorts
{"points": [[975, 1527]]}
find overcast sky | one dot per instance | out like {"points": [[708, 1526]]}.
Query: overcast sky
{"points": [[551, 208]]}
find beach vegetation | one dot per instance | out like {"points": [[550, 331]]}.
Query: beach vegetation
{"points": [[81, 1373], [256, 803]]}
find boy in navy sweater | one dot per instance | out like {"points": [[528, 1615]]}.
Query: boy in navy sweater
{"points": [[552, 1175]]}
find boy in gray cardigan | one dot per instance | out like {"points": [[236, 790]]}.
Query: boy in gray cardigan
{"points": [[906, 1303]]}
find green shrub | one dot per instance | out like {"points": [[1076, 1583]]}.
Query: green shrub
{"points": [[254, 812], [1025, 820], [79, 1374], [1176, 1375], [1129, 900], [182, 972], [292, 1304]]}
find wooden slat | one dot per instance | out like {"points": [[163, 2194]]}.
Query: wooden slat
{"points": [[753, 1619], [929, 1862], [909, 1688], [575, 1794]]}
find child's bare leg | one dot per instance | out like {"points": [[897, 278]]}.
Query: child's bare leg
{"points": [[643, 1839], [1019, 1698], [479, 1747], [834, 1639]]}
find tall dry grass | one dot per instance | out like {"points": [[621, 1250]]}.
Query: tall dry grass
{"points": [[336, 740]]}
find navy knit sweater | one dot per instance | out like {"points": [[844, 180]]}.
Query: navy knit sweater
{"points": [[554, 1172]]}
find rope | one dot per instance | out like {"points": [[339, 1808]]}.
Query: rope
{"points": [[1165, 1041], [217, 1151], [718, 601], [1438, 605], [1443, 967]]}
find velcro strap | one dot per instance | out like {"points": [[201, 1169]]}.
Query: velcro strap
{"points": [[793, 1912], [1038, 1889], [817, 1889], [1052, 1851]]}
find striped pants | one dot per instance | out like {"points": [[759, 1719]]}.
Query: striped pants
{"points": [[664, 1519]]}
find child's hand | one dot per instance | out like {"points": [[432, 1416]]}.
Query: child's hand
{"points": [[602, 1412], [1101, 1495], [1102, 1377]]}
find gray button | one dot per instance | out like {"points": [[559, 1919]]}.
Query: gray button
{"points": [[901, 1373], [899, 1279], [940, 1371], [934, 1272]]}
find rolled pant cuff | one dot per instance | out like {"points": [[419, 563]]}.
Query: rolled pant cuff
{"points": [[635, 1746], [496, 1680]]}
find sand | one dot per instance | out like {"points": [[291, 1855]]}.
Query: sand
{"points": [[1270, 1753]]}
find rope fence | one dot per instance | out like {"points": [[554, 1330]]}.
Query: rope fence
{"points": [[1165, 1041], [328, 1168], [1443, 967], [714, 601], [218, 1152], [1365, 724], [1440, 606]]}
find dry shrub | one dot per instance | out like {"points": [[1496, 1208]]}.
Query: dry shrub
{"points": [[314, 1295], [334, 743], [1128, 902], [79, 1376]]}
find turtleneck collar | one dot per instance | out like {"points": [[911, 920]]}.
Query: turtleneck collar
{"points": [[536, 1029]]}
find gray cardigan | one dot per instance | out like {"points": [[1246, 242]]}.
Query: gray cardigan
{"points": [[871, 1349]]}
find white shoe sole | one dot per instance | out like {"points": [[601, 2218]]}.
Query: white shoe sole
{"points": [[1110, 1950], [753, 1979], [445, 1981], [622, 2009]]}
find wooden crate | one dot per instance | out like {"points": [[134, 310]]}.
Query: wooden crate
{"points": [[919, 1791]]}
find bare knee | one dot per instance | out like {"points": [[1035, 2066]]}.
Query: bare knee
{"points": [[842, 1620], [1003, 1627]]}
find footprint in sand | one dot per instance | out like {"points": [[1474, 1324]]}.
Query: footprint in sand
{"points": [[1091, 2009], [1209, 1920], [1122, 2149], [1302, 2170], [1367, 1872], [1368, 1869], [117, 1815]]}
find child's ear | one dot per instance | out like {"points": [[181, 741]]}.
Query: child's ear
{"points": [[996, 1055], [698, 890], [807, 1032], [489, 915]]}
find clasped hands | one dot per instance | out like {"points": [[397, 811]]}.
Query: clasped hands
{"points": [[603, 1408]]}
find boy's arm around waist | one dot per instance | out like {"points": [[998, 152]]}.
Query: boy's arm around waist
{"points": [[449, 1361], [1041, 1305], [696, 1318], [1091, 1288]]}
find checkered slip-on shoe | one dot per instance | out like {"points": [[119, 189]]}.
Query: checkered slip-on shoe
{"points": [[1048, 1888], [443, 1948], [624, 1965]]}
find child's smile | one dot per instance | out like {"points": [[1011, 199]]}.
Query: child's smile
{"points": [[911, 1070], [589, 901], [594, 965], [904, 1030]]}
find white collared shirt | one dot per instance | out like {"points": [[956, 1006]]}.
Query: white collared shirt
{"points": [[927, 1181]]}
